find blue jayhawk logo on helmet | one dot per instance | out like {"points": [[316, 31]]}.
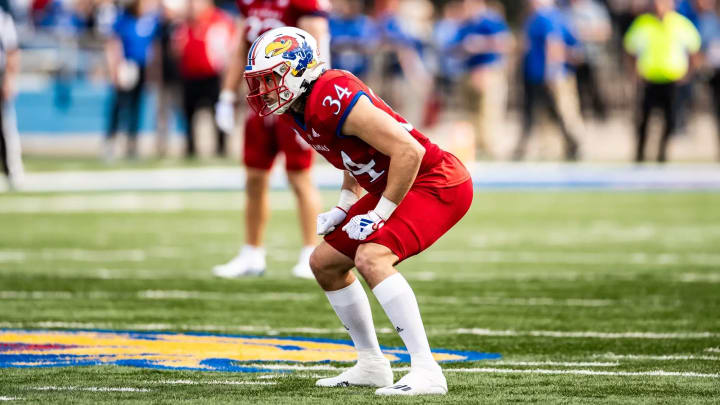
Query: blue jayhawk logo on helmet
{"points": [[290, 49]]}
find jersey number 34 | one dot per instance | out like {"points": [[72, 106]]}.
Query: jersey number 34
{"points": [[332, 102]]}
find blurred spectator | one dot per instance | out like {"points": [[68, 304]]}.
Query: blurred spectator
{"points": [[545, 76], [622, 14], [353, 37], [685, 96], [688, 9], [203, 43], [709, 23], [485, 40], [169, 75], [403, 74], [591, 23], [128, 52], [662, 41], [449, 61], [10, 154]]}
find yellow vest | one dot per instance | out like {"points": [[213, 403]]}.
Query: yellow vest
{"points": [[662, 46]]}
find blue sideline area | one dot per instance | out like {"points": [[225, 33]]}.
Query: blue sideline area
{"points": [[74, 108]]}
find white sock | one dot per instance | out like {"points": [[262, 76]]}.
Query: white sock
{"points": [[353, 308], [398, 301]]}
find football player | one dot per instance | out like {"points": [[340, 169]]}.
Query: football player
{"points": [[266, 137], [415, 193]]}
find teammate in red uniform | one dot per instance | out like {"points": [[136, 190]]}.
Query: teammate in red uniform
{"points": [[266, 137], [415, 193]]}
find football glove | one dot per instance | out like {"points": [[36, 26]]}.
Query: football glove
{"points": [[225, 112], [327, 221], [362, 226]]}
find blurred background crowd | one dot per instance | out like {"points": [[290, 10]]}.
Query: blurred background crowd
{"points": [[482, 76]]}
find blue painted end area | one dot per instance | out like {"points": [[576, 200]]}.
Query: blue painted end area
{"points": [[52, 353]]}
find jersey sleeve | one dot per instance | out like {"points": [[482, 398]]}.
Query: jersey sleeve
{"points": [[312, 7], [335, 100]]}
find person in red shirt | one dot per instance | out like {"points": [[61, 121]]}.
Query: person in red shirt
{"points": [[201, 43], [266, 137], [416, 192]]}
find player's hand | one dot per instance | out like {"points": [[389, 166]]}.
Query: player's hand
{"points": [[225, 112], [327, 221], [361, 226]]}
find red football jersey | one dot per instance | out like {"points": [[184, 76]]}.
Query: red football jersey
{"points": [[264, 15], [331, 99], [202, 44]]}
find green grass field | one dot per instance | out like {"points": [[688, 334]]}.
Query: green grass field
{"points": [[590, 297]]}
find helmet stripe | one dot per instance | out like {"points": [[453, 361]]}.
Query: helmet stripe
{"points": [[251, 53]]}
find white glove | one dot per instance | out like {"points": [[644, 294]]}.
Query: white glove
{"points": [[361, 226], [327, 221], [225, 112]]}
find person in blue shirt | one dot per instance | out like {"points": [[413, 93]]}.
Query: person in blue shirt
{"points": [[689, 10], [709, 27], [544, 73], [128, 51], [449, 65], [404, 76], [353, 37], [485, 41]]}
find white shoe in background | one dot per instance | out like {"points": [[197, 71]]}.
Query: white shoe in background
{"points": [[250, 261], [302, 268]]}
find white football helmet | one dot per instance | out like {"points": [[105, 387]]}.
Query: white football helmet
{"points": [[281, 64]]}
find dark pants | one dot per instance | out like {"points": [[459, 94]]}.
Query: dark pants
{"points": [[3, 147], [664, 97], [198, 93], [127, 102], [589, 91], [539, 94]]}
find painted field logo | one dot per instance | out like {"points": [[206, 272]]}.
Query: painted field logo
{"points": [[181, 351]]}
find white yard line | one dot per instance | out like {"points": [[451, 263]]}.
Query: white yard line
{"points": [[713, 349], [81, 255], [217, 296], [589, 334], [10, 399], [522, 302], [155, 295], [655, 373], [553, 363], [307, 330], [489, 370], [656, 357], [92, 389], [184, 327], [710, 259], [210, 382], [713, 278], [574, 258]]}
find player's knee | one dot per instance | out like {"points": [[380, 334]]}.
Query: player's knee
{"points": [[256, 181], [316, 263], [366, 260], [327, 274]]}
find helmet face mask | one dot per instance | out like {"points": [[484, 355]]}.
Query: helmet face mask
{"points": [[267, 90], [281, 63]]}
